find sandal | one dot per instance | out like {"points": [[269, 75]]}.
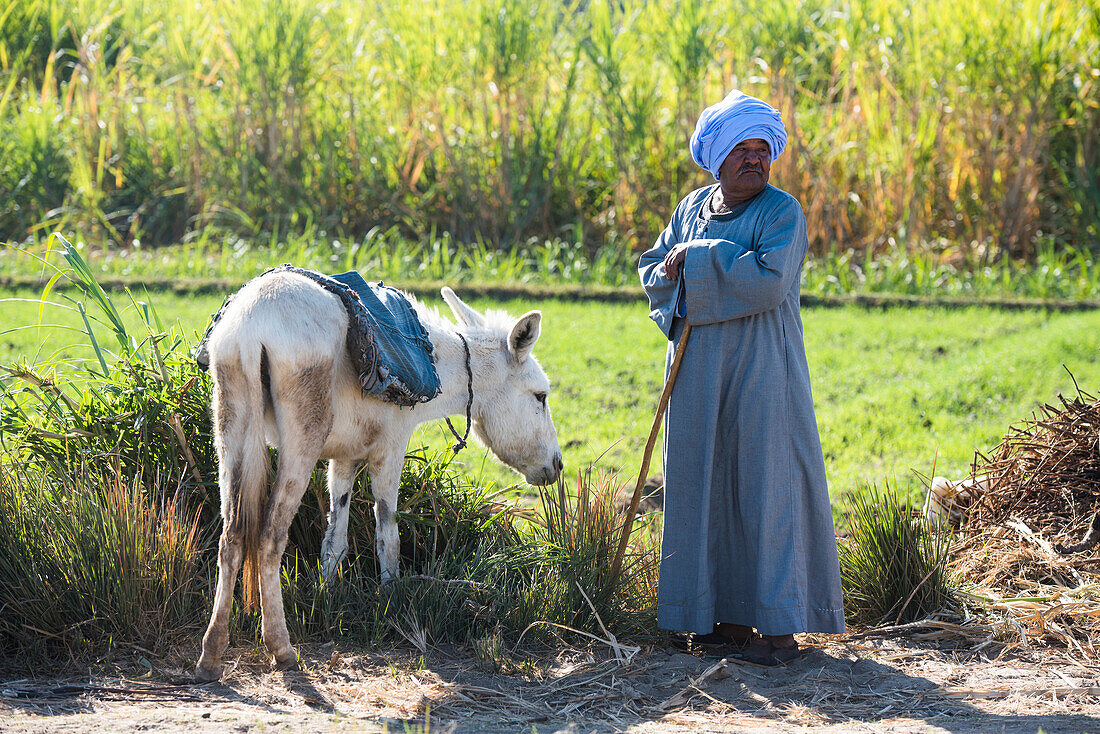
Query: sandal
{"points": [[764, 652], [724, 636], [737, 635], [710, 639]]}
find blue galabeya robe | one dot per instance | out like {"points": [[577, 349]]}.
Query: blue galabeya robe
{"points": [[748, 532]]}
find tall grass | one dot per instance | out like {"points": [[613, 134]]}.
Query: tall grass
{"points": [[86, 565], [501, 120], [581, 530], [1053, 273]]}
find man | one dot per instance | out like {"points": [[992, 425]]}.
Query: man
{"points": [[748, 538]]}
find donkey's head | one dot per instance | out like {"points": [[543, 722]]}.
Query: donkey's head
{"points": [[511, 412]]}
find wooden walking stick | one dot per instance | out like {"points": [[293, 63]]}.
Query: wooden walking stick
{"points": [[628, 522]]}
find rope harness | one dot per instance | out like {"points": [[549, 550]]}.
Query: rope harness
{"points": [[461, 443]]}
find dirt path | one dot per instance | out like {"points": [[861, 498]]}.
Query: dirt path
{"points": [[839, 686]]}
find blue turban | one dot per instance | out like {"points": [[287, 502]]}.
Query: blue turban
{"points": [[736, 118]]}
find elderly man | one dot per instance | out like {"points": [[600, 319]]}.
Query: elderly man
{"points": [[748, 532]]}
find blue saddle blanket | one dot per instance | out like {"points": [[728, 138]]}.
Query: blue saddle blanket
{"points": [[387, 344], [405, 372]]}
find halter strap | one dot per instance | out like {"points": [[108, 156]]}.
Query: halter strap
{"points": [[461, 443]]}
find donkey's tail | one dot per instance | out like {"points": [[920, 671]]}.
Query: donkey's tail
{"points": [[243, 464]]}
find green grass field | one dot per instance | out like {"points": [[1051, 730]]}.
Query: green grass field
{"points": [[897, 390]]}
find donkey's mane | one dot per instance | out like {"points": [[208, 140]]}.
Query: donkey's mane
{"points": [[496, 321]]}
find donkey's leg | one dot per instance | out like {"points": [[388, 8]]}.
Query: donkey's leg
{"points": [[242, 474], [216, 638], [290, 484], [341, 478], [303, 415], [385, 480]]}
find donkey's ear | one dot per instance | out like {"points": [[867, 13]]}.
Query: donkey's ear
{"points": [[524, 335], [463, 313]]}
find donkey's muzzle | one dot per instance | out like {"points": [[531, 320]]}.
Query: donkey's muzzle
{"points": [[548, 474]]}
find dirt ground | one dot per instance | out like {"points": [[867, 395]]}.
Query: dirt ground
{"points": [[841, 685]]}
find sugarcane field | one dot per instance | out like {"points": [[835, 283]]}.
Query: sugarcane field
{"points": [[518, 366]]}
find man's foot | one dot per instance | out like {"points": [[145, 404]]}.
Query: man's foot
{"points": [[724, 636], [772, 650], [738, 635]]}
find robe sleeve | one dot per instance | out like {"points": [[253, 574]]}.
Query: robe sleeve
{"points": [[725, 280], [663, 293]]}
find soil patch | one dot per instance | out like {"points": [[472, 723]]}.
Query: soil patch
{"points": [[842, 684]]}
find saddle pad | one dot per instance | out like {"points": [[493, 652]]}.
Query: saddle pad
{"points": [[406, 361], [387, 344]]}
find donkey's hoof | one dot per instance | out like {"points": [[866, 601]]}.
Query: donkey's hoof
{"points": [[286, 661], [205, 674]]}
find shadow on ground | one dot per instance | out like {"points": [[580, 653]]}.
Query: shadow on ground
{"points": [[839, 685]]}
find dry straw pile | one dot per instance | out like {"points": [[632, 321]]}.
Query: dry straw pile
{"points": [[1034, 494]]}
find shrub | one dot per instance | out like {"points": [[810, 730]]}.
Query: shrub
{"points": [[581, 532]]}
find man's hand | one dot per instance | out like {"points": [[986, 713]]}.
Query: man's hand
{"points": [[674, 261]]}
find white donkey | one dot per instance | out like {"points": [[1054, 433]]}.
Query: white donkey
{"points": [[282, 376]]}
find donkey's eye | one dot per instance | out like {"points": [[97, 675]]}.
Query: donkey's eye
{"points": [[541, 397]]}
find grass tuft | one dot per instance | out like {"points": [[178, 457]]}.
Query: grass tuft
{"points": [[892, 565], [581, 531], [84, 566]]}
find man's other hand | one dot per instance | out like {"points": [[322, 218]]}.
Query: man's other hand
{"points": [[674, 261]]}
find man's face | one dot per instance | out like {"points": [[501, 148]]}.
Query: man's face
{"points": [[745, 171]]}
